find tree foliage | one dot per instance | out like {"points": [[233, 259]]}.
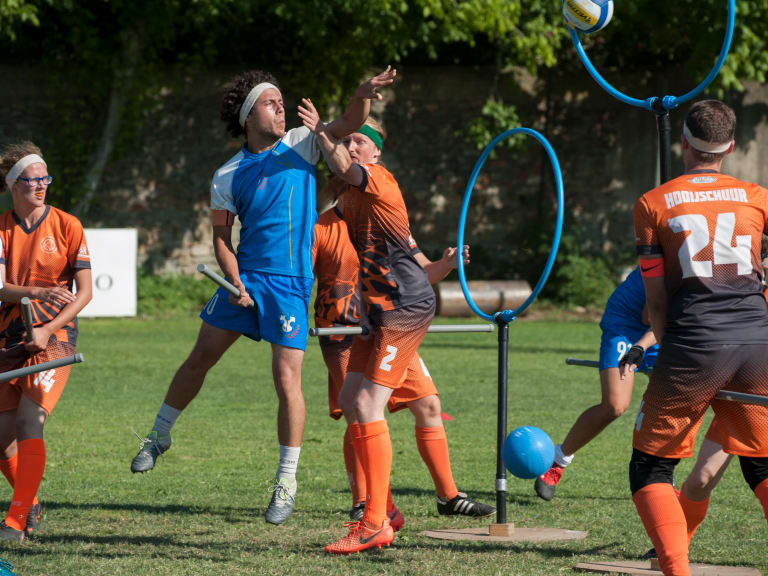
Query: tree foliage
{"points": [[322, 48]]}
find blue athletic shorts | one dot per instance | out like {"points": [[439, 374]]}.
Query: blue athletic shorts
{"points": [[282, 309], [617, 339]]}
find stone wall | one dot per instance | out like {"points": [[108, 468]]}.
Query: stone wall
{"points": [[607, 151]]}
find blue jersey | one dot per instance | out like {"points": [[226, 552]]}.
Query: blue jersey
{"points": [[622, 324], [625, 306], [273, 194]]}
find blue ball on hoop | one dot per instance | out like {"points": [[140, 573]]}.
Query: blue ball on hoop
{"points": [[528, 452], [587, 16]]}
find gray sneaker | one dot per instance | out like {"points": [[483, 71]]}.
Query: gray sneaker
{"points": [[150, 449], [281, 505]]}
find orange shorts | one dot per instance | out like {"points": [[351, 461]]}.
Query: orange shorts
{"points": [[43, 388], [684, 383], [417, 384], [336, 357], [385, 355], [713, 432]]}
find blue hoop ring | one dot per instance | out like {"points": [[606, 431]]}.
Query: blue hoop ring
{"points": [[667, 102], [510, 315]]}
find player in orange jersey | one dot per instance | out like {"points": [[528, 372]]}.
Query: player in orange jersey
{"points": [[43, 254], [399, 304], [698, 240], [338, 304]]}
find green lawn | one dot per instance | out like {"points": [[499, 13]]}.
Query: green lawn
{"points": [[201, 510]]}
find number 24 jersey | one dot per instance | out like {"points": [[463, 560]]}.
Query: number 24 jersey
{"points": [[708, 228]]}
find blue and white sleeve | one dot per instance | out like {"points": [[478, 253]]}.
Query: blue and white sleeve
{"points": [[304, 142]]}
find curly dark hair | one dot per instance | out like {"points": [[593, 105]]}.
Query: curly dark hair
{"points": [[234, 95], [12, 153]]}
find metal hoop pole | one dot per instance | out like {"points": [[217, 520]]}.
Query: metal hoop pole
{"points": [[501, 423], [504, 317]]}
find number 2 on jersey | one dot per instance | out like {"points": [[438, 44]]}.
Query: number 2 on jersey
{"points": [[698, 239]]}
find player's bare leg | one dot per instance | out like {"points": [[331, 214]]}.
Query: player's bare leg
{"points": [[286, 372], [616, 396], [710, 466], [210, 346], [433, 448]]}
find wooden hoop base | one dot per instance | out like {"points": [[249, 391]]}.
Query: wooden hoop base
{"points": [[505, 533], [646, 568]]}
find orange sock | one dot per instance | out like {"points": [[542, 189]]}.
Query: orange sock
{"points": [[433, 447], [31, 463], [761, 491], [664, 521], [353, 465], [390, 502], [695, 511], [377, 463]]}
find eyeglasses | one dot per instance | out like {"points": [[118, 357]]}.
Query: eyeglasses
{"points": [[35, 182]]}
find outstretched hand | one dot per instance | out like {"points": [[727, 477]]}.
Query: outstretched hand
{"points": [[310, 117], [451, 256], [368, 89]]}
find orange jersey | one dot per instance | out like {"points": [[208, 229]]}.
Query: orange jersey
{"points": [[47, 254], [708, 227], [336, 266], [377, 220]]}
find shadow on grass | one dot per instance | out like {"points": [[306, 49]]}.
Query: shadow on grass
{"points": [[543, 549]]}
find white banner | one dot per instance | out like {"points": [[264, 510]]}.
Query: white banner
{"points": [[113, 266]]}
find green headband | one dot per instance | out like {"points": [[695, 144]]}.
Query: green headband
{"points": [[373, 135]]}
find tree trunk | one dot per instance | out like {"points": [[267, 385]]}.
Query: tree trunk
{"points": [[121, 82]]}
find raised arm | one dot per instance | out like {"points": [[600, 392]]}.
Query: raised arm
{"points": [[359, 106], [335, 153]]}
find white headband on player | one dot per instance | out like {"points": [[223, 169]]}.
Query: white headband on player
{"points": [[250, 100], [20, 166], [703, 145]]}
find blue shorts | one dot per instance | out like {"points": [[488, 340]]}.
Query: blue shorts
{"points": [[617, 339], [282, 309]]}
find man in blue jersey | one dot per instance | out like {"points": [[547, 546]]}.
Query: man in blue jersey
{"points": [[270, 186], [626, 339]]}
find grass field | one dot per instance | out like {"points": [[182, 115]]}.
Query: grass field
{"points": [[201, 510]]}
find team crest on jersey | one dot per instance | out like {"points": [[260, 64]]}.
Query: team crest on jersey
{"points": [[48, 245], [287, 325], [83, 251], [703, 180]]}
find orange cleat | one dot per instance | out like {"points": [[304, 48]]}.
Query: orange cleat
{"points": [[361, 538], [396, 518]]}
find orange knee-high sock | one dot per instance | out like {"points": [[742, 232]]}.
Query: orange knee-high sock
{"points": [[761, 491], [31, 454], [390, 502], [664, 521], [433, 447], [354, 466], [8, 468], [377, 463], [695, 511]]}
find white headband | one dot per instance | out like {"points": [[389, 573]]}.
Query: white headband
{"points": [[703, 145], [250, 100], [20, 166]]}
